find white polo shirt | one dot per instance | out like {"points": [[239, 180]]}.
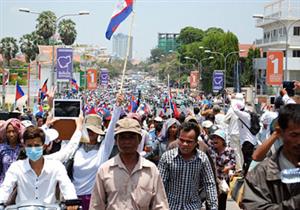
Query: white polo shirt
{"points": [[33, 187]]}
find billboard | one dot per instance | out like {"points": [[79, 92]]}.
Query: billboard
{"points": [[91, 79], [274, 67], [218, 80], [64, 63], [104, 77], [194, 79]]}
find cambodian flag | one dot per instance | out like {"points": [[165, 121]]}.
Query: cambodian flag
{"points": [[19, 92], [123, 9], [43, 91], [74, 86]]}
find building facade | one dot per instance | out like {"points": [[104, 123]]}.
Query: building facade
{"points": [[119, 48], [281, 32], [167, 41]]}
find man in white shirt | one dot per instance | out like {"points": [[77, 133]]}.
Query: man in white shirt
{"points": [[36, 178]]}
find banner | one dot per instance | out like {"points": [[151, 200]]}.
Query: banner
{"points": [[91, 79], [194, 79], [218, 80], [64, 64], [104, 77], [274, 68], [34, 87]]}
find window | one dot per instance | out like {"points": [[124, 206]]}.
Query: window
{"points": [[297, 31], [264, 54], [296, 53]]}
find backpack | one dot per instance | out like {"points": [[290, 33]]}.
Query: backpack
{"points": [[254, 123]]}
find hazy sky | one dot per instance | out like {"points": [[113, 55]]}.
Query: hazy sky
{"points": [[151, 17]]}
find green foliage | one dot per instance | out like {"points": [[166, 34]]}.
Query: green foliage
{"points": [[248, 75], [67, 31], [8, 48], [46, 25], [29, 46], [156, 55], [189, 35]]}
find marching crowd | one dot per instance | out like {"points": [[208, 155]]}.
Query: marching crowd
{"points": [[118, 158]]}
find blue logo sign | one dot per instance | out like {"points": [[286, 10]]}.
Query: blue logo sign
{"points": [[104, 76], [218, 80], [64, 65]]}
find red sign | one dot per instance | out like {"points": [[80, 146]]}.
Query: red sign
{"points": [[194, 79], [91, 79], [274, 68]]}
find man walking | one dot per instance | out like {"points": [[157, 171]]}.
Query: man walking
{"points": [[128, 181], [185, 170]]}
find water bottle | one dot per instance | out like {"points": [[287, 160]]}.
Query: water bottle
{"points": [[290, 176]]}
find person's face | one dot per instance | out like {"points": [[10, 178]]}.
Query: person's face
{"points": [[173, 130], [218, 142], [187, 142], [11, 134], [127, 142], [291, 139], [40, 122], [92, 135], [35, 142]]}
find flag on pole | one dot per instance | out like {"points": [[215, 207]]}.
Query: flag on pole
{"points": [[74, 86], [122, 11], [19, 91], [43, 91]]}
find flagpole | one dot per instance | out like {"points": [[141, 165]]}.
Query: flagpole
{"points": [[169, 96], [127, 52]]}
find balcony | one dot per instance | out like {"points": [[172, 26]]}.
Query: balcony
{"points": [[293, 63], [270, 41]]}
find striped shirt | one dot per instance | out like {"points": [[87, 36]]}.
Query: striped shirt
{"points": [[184, 178]]}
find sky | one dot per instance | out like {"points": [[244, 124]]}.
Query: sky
{"points": [[151, 17]]}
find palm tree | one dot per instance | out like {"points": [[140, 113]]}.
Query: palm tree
{"points": [[8, 48], [46, 25], [29, 46], [67, 31]]}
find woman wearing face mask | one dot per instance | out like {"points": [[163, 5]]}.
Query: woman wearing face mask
{"points": [[11, 146]]}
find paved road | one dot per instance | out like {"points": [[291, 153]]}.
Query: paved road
{"points": [[232, 205]]}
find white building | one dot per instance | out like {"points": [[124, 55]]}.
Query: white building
{"points": [[279, 16], [119, 48]]}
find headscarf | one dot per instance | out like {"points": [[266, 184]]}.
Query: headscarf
{"points": [[17, 125], [167, 125]]}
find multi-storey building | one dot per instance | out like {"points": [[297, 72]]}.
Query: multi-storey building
{"points": [[281, 32], [167, 41], [119, 49]]}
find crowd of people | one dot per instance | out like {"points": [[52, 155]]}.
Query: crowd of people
{"points": [[143, 154]]}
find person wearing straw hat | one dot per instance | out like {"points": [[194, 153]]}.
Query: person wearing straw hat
{"points": [[128, 181]]}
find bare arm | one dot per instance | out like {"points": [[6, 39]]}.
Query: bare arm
{"points": [[261, 151]]}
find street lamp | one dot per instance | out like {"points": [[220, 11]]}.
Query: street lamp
{"points": [[225, 60], [199, 64], [26, 10], [287, 27]]}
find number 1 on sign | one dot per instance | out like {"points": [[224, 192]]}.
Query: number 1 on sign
{"points": [[275, 63], [92, 77]]}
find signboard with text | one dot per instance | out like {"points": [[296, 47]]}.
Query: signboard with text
{"points": [[218, 80], [91, 76], [274, 67], [64, 63]]}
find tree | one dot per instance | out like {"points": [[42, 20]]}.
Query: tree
{"points": [[248, 77], [189, 35], [46, 25], [156, 54], [67, 31], [8, 48], [29, 46]]}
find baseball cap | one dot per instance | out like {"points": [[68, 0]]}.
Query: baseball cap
{"points": [[219, 133], [128, 125]]}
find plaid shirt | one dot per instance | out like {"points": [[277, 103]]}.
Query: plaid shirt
{"points": [[183, 179]]}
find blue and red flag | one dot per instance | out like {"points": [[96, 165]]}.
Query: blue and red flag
{"points": [[123, 9], [19, 91], [43, 90], [74, 86]]}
